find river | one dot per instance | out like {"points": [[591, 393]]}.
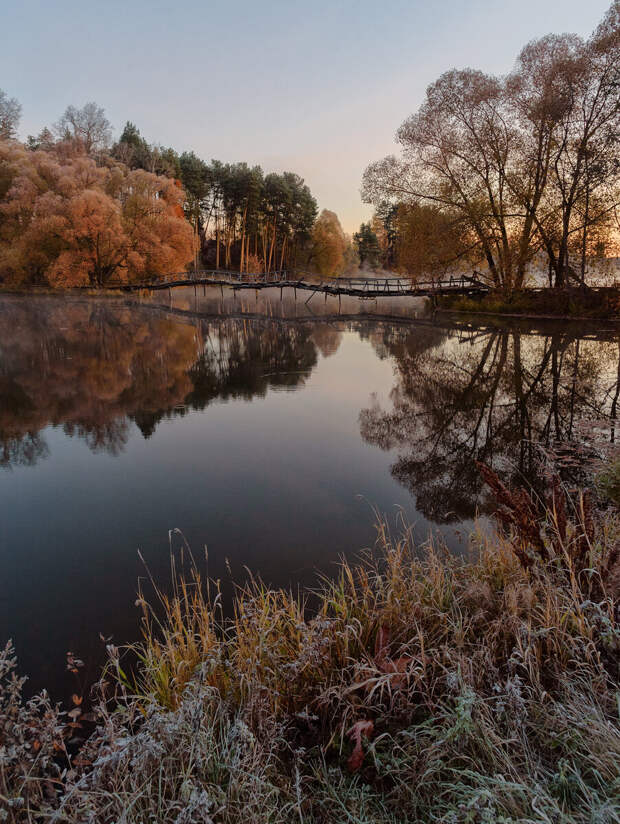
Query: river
{"points": [[259, 429]]}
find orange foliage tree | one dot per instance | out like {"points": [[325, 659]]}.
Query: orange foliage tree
{"points": [[66, 221], [329, 244]]}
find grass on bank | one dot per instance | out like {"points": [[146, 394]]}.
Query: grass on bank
{"points": [[608, 482], [424, 688]]}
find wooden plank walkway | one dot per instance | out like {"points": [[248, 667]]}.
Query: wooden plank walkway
{"points": [[355, 287]]}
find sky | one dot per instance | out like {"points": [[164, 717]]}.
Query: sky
{"points": [[316, 88]]}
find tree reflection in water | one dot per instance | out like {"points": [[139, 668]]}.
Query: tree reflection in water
{"points": [[495, 395], [94, 368], [489, 395]]}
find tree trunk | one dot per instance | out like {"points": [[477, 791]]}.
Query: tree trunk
{"points": [[272, 245], [245, 213]]}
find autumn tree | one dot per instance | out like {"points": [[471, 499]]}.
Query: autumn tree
{"points": [[239, 217], [564, 94], [69, 222], [328, 244], [585, 183], [429, 241], [10, 114], [456, 150]]}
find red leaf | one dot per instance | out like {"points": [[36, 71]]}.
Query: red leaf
{"points": [[359, 729]]}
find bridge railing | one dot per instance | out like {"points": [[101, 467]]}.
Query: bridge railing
{"points": [[357, 284], [457, 283], [200, 275]]}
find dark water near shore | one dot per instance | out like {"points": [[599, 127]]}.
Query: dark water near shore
{"points": [[263, 429]]}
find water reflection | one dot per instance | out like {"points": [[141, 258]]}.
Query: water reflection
{"points": [[460, 396], [494, 395], [93, 368]]}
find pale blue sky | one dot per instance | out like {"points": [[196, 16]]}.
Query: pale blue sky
{"points": [[318, 88]]}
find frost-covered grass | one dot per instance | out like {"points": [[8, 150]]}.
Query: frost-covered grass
{"points": [[422, 688]]}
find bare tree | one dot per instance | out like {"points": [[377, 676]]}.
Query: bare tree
{"points": [[457, 151], [524, 163], [88, 125], [585, 168], [10, 114], [539, 98]]}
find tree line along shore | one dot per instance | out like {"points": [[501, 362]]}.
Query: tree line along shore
{"points": [[516, 177]]}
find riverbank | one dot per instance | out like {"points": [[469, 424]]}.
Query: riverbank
{"points": [[425, 688], [544, 304]]}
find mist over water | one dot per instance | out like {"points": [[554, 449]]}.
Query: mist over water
{"points": [[263, 428]]}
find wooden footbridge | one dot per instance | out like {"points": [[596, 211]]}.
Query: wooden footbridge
{"points": [[355, 287]]}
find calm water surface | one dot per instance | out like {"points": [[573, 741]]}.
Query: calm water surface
{"points": [[262, 429]]}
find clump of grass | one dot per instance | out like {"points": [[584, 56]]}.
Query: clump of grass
{"points": [[421, 688], [179, 631], [32, 747], [608, 482]]}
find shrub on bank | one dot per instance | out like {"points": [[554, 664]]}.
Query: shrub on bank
{"points": [[573, 302], [608, 482], [422, 688]]}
